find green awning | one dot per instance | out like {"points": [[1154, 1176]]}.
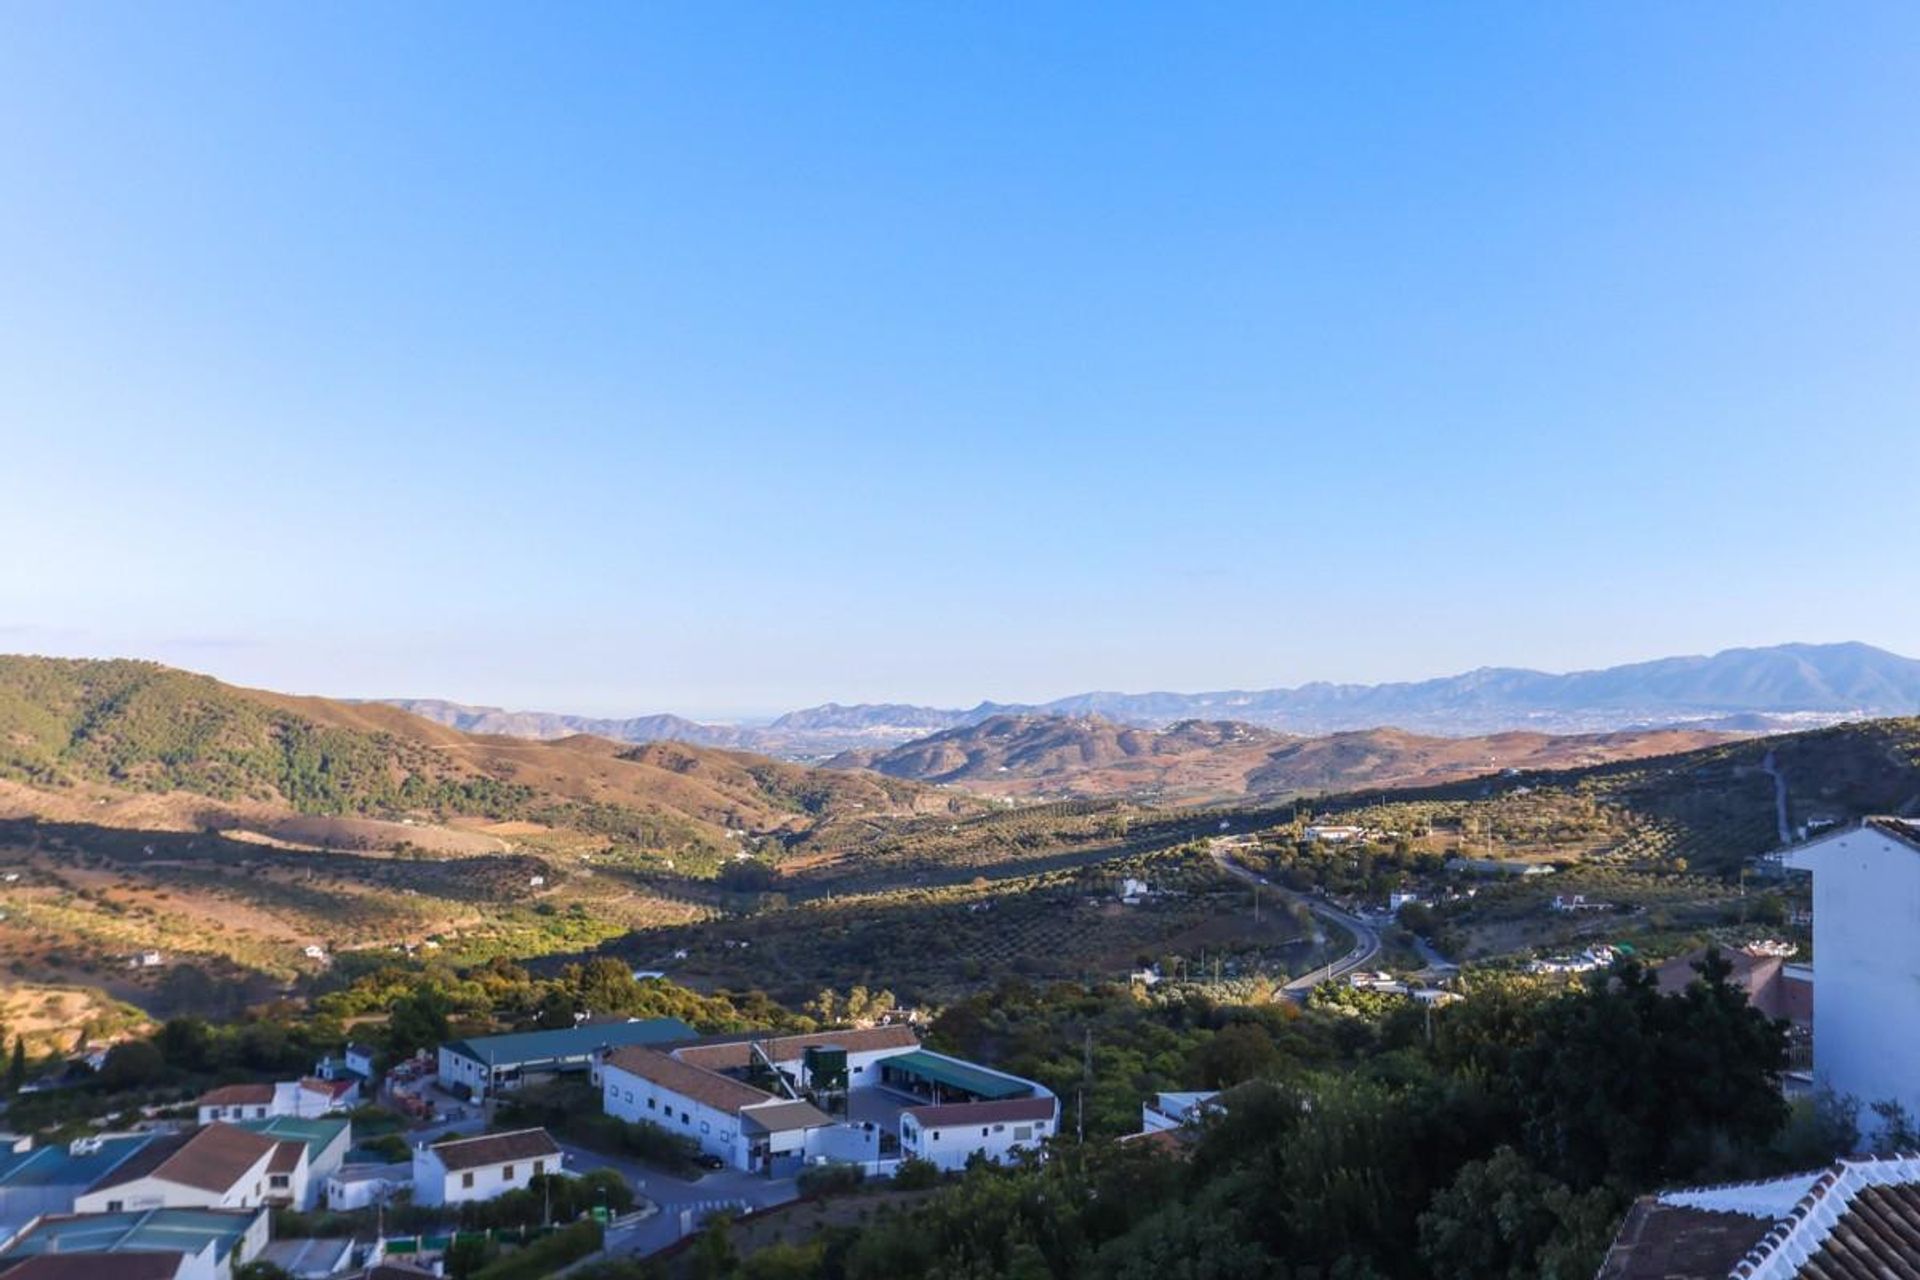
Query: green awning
{"points": [[977, 1081]]}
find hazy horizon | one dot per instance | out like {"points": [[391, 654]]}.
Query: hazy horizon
{"points": [[723, 362]]}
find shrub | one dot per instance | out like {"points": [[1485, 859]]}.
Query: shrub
{"points": [[546, 1256], [915, 1174], [831, 1179]]}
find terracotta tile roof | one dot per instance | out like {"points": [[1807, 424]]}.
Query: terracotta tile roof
{"points": [[238, 1095], [965, 1113], [1672, 1242], [689, 1081], [286, 1157], [731, 1055], [1858, 1220], [212, 1159], [497, 1148]]}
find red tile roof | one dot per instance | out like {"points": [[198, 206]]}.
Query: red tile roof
{"points": [[238, 1095], [212, 1159], [965, 1113], [722, 1093], [497, 1148]]}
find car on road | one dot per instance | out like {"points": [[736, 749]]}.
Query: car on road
{"points": [[707, 1160]]}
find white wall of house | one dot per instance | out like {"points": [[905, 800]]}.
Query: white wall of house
{"points": [[435, 1184], [297, 1186], [1866, 946], [632, 1098], [458, 1069], [362, 1192], [950, 1146], [248, 1111], [247, 1192]]}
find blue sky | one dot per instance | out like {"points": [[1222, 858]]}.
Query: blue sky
{"points": [[722, 359]]}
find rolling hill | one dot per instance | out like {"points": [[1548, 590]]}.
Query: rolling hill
{"points": [[124, 732], [1090, 755]]}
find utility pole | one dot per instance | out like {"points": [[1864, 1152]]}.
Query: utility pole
{"points": [[1080, 1094]]}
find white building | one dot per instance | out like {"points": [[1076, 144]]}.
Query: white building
{"points": [[306, 1098], [1334, 835], [470, 1169], [1866, 947], [218, 1167], [482, 1066], [950, 1135], [1176, 1110], [750, 1101], [361, 1186], [169, 1244]]}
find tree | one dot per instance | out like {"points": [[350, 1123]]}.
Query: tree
{"points": [[17, 1066], [134, 1064], [1499, 1216], [419, 1021], [1237, 1053], [1622, 1083]]}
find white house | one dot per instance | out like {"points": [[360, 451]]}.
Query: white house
{"points": [[1334, 835], [301, 1182], [218, 1167], [470, 1169], [1866, 947], [308, 1097], [361, 1186], [1176, 1110], [951, 1134]]}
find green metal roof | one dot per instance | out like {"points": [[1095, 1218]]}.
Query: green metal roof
{"points": [[534, 1047], [148, 1231], [977, 1081], [318, 1132]]}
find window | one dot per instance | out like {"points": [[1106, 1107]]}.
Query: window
{"points": [[936, 1135], [278, 1181], [685, 1118], [983, 1131], [506, 1173], [116, 1206], [653, 1104], [999, 1128], [629, 1095], [1021, 1132], [539, 1167], [466, 1180], [705, 1127]]}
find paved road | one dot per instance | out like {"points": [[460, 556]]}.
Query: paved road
{"points": [[723, 1188], [1366, 939], [1779, 798]]}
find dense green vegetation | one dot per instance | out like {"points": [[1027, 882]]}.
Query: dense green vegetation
{"points": [[1503, 1138]]}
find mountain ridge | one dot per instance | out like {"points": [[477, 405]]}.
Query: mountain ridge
{"points": [[1787, 686]]}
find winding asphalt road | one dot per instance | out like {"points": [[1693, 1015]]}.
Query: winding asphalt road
{"points": [[1366, 939]]}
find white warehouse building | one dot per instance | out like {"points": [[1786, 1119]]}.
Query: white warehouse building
{"points": [[869, 1096]]}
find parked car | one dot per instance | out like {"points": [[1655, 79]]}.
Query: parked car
{"points": [[707, 1160]]}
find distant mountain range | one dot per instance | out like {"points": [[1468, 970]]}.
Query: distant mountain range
{"points": [[1745, 690], [1035, 755]]}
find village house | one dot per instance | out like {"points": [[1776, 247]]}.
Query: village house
{"points": [[361, 1186], [301, 1183], [152, 1244], [1866, 1005], [308, 1097], [465, 1170], [481, 1066], [220, 1166]]}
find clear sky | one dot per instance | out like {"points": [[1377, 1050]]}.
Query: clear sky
{"points": [[726, 358]]}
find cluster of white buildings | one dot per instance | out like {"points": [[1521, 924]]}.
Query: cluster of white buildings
{"points": [[870, 1096]]}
